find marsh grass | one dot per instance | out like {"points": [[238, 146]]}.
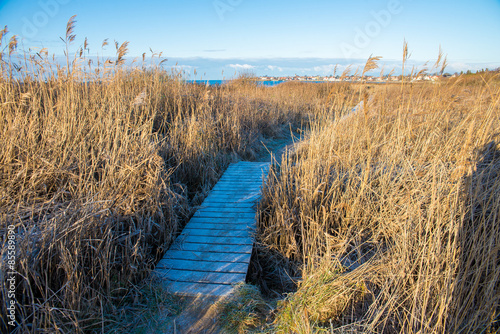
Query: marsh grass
{"points": [[101, 165], [391, 214], [244, 311]]}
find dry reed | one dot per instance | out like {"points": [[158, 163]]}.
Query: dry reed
{"points": [[391, 215], [100, 166]]}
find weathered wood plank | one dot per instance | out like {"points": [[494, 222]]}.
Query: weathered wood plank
{"points": [[228, 205], [207, 256], [241, 182], [224, 220], [237, 193], [198, 289], [212, 248], [231, 169], [247, 172], [235, 190], [216, 201], [235, 186], [249, 167], [216, 233], [238, 185], [227, 214], [232, 198], [217, 208], [250, 228], [200, 276], [242, 179], [228, 200], [249, 176], [213, 240], [248, 163], [207, 266], [223, 227]]}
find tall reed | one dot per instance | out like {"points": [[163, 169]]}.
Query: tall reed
{"points": [[390, 215], [102, 163]]}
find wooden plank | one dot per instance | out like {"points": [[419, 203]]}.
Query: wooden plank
{"points": [[224, 220], [200, 276], [249, 171], [239, 193], [219, 267], [222, 226], [246, 170], [231, 199], [212, 248], [235, 190], [249, 167], [217, 208], [211, 214], [236, 186], [244, 175], [243, 168], [248, 177], [225, 212], [239, 184], [228, 201], [207, 256], [238, 168], [213, 240], [198, 289], [228, 205], [243, 179], [248, 163], [216, 233], [238, 196]]}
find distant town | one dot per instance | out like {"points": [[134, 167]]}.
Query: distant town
{"points": [[374, 79], [384, 79]]}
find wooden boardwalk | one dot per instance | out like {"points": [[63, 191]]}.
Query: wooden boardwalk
{"points": [[213, 252]]}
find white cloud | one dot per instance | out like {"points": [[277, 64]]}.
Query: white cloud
{"points": [[274, 68], [241, 67]]}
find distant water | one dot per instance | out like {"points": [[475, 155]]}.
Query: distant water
{"points": [[220, 82]]}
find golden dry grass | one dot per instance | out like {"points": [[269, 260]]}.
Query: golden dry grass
{"points": [[102, 164], [391, 215]]}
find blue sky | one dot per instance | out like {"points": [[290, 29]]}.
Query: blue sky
{"points": [[255, 35]]}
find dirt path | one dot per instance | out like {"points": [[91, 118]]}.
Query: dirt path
{"points": [[199, 315], [278, 147]]}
